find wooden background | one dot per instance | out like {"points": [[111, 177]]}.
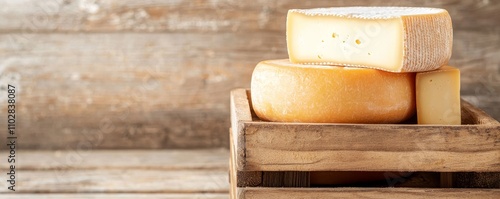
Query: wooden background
{"points": [[122, 74]]}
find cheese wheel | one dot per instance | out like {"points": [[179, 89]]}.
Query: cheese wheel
{"points": [[396, 39], [285, 92]]}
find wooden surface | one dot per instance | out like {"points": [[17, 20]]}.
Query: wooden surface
{"points": [[271, 146], [239, 106], [115, 196], [120, 174], [407, 193], [157, 74]]}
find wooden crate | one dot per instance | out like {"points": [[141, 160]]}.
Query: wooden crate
{"points": [[274, 160]]}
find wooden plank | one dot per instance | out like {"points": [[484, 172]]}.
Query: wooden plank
{"points": [[129, 171], [207, 159], [120, 181], [309, 147], [115, 196], [473, 115], [239, 114], [408, 193], [240, 178], [233, 182], [172, 93], [487, 103], [208, 16]]}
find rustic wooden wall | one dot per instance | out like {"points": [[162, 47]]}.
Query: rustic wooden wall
{"points": [[157, 74]]}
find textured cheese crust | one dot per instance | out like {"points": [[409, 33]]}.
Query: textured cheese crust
{"points": [[286, 92], [438, 96], [396, 39]]}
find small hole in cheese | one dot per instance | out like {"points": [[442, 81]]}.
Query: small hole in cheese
{"points": [[334, 35], [358, 42]]}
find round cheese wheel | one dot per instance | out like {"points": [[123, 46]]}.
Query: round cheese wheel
{"points": [[285, 92]]}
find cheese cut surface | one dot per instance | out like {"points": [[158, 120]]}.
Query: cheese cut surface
{"points": [[396, 39], [438, 96], [287, 92]]}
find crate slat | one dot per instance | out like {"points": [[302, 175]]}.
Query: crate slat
{"points": [[240, 113], [273, 146], [308, 147], [407, 193], [104, 173], [116, 196]]}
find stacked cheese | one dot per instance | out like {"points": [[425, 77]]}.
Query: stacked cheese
{"points": [[361, 65]]}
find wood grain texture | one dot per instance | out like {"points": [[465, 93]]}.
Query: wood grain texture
{"points": [[116, 196], [240, 178], [157, 74], [173, 93], [121, 181], [207, 159], [473, 115], [308, 147], [273, 146], [173, 172], [239, 114], [233, 176], [209, 16], [409, 193]]}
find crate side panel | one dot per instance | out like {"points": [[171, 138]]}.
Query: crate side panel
{"points": [[316, 147]]}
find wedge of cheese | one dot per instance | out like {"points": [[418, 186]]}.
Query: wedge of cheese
{"points": [[396, 39], [287, 92], [438, 96]]}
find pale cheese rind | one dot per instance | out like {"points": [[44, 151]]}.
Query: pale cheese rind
{"points": [[395, 39], [287, 92]]}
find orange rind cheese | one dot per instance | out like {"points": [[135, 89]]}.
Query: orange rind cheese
{"points": [[287, 92]]}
